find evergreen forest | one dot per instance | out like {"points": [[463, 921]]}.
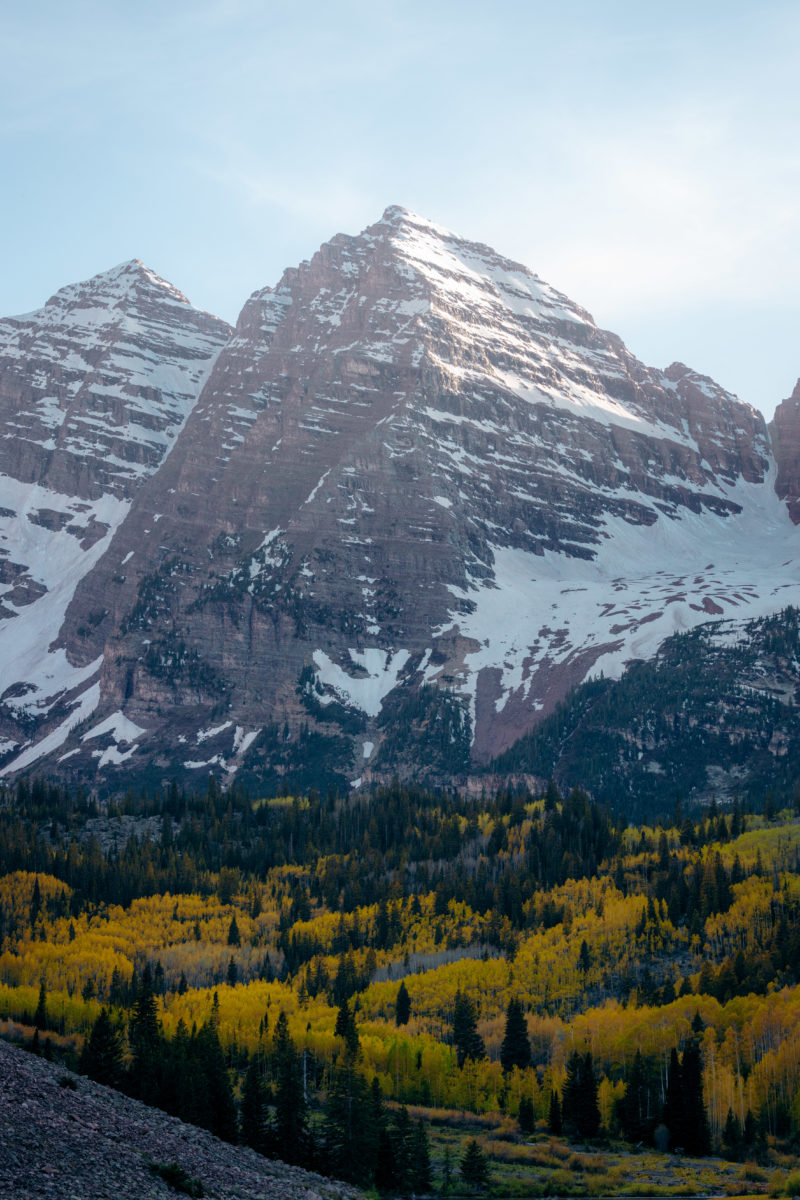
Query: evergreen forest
{"points": [[422, 991]]}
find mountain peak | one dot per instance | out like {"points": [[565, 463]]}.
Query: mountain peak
{"points": [[126, 281]]}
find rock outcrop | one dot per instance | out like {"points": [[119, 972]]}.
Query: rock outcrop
{"points": [[785, 430]]}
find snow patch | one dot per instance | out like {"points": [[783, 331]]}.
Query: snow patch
{"points": [[381, 670], [119, 726], [85, 706]]}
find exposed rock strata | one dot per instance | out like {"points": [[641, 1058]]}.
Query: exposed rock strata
{"points": [[785, 430], [415, 471]]}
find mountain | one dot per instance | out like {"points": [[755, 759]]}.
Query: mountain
{"points": [[94, 389], [418, 498]]}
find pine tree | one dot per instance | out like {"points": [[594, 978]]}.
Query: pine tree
{"points": [[346, 1028], [474, 1167], [672, 1114], [36, 900], [570, 1094], [253, 1111], [732, 1137], [579, 1106], [633, 1110], [554, 1121], [101, 1057], [525, 1115], [402, 1135], [466, 1039], [351, 1144], [218, 1090], [40, 1016], [234, 937], [421, 1178], [589, 1115], [291, 1115], [402, 1008], [144, 1035], [584, 958], [516, 1048], [697, 1136]]}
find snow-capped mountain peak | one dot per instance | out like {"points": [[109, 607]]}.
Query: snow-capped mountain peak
{"points": [[420, 488]]}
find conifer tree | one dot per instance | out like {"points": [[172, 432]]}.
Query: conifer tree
{"points": [[402, 1008], [351, 1143], [732, 1139], [633, 1110], [346, 1028], [466, 1039], [144, 1036], [253, 1112], [672, 1113], [421, 1178], [554, 1121], [570, 1095], [579, 1106], [40, 1016], [525, 1115], [474, 1166], [291, 1114], [101, 1057], [589, 1115], [697, 1136], [403, 1143], [220, 1115], [516, 1048]]}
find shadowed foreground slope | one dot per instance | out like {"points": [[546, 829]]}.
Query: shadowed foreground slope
{"points": [[96, 1144]]}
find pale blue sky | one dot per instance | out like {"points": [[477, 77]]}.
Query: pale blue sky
{"points": [[645, 159]]}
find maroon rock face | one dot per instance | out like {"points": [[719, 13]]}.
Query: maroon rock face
{"points": [[419, 485], [785, 431]]}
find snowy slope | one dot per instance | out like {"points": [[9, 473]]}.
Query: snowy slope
{"points": [[94, 390], [413, 462]]}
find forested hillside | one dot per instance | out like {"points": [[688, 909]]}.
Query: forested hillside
{"points": [[713, 714], [355, 983]]}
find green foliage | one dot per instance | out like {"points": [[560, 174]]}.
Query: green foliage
{"points": [[641, 741], [428, 728], [466, 1039], [402, 1005], [475, 1166], [176, 1177], [516, 1048], [291, 1139], [580, 1111], [101, 1057]]}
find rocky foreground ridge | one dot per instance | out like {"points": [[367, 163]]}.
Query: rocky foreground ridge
{"points": [[414, 489], [92, 1143]]}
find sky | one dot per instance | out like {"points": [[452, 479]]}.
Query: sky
{"points": [[644, 159]]}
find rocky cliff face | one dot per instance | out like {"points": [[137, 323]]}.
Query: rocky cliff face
{"points": [[94, 389], [420, 490], [785, 431]]}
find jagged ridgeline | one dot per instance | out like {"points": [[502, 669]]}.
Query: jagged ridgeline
{"points": [[382, 526], [715, 713]]}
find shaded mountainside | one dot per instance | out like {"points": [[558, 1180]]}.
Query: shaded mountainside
{"points": [[715, 713], [91, 1143], [419, 498]]}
